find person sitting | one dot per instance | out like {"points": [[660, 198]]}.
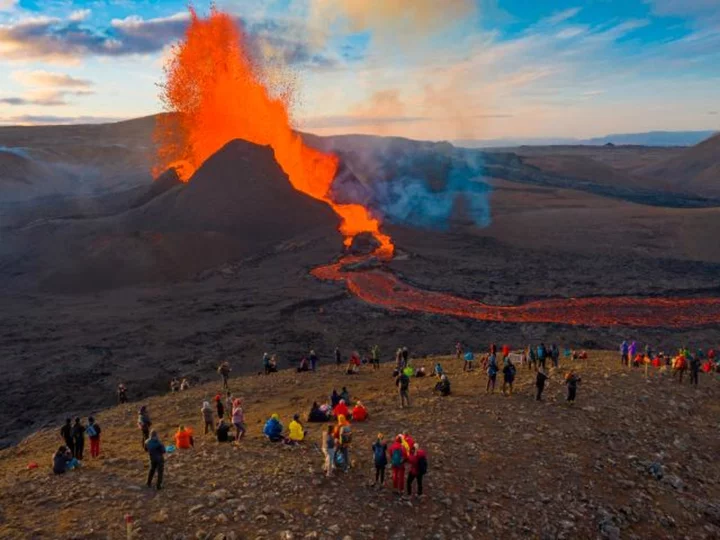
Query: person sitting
{"points": [[297, 432], [223, 431], [184, 385], [316, 414], [354, 364], [345, 395], [273, 429], [443, 387], [334, 399], [174, 385], [438, 370], [341, 409], [359, 412], [184, 438], [420, 372], [304, 365], [61, 460]]}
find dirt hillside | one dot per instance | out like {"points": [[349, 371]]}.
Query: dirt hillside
{"points": [[500, 467]]}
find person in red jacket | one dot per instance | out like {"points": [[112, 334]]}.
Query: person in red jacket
{"points": [[359, 412], [418, 467], [341, 409], [398, 457]]}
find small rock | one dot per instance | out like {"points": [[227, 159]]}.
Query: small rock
{"points": [[196, 509], [335, 529], [287, 535], [221, 518]]}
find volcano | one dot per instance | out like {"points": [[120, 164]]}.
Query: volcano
{"points": [[238, 204]]}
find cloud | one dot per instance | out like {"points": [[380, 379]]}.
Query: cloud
{"points": [[684, 7], [8, 5], [713, 113], [351, 121], [562, 16], [392, 18], [49, 79], [571, 32], [79, 15], [44, 98], [39, 119]]}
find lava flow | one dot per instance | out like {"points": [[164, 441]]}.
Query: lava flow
{"points": [[221, 94], [381, 288]]}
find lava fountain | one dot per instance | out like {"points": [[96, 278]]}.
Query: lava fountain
{"points": [[221, 94]]}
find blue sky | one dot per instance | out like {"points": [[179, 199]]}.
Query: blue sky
{"points": [[457, 69]]}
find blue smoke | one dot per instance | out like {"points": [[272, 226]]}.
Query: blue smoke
{"points": [[419, 184], [431, 190]]}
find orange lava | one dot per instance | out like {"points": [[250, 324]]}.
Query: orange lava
{"points": [[221, 95], [381, 288]]}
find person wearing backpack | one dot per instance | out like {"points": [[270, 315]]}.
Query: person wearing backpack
{"points": [[418, 467], [398, 457], [403, 383], [380, 451], [144, 424], [542, 355], [343, 434], [508, 377], [156, 453], [93, 432]]}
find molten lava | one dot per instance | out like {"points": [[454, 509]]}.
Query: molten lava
{"points": [[383, 289], [221, 95]]}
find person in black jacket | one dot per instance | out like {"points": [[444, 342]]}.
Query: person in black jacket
{"points": [[156, 452], [66, 432], [540, 380], [78, 433], [61, 459]]}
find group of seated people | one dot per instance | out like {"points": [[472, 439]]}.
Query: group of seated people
{"points": [[63, 461], [178, 386], [274, 430]]}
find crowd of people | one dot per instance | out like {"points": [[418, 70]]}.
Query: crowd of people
{"points": [[223, 417]]}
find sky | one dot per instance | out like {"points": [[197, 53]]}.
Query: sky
{"points": [[426, 69]]}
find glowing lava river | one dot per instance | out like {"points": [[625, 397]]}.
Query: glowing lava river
{"points": [[384, 289]]}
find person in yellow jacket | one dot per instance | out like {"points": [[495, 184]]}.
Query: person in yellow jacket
{"points": [[297, 432]]}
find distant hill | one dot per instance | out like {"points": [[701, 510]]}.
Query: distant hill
{"points": [[696, 170], [651, 138]]}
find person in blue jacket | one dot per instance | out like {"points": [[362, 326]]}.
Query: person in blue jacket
{"points": [[492, 372], [273, 429]]}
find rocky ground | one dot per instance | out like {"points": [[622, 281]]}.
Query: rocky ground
{"points": [[633, 458]]}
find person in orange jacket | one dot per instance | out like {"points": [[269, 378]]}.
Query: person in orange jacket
{"points": [[184, 438], [398, 458], [341, 409], [359, 412]]}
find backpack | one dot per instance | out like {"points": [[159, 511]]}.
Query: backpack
{"points": [[91, 431], [345, 435], [397, 458], [422, 465]]}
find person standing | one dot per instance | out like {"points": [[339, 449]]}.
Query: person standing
{"points": [[403, 383], [624, 354], [555, 355], [328, 444], [224, 371], [121, 393], [338, 357], [156, 453], [375, 356], [93, 432], [144, 423], [66, 432], [219, 406], [78, 433], [532, 357], [632, 351], [238, 418], [398, 457], [313, 360], [572, 381], [405, 356], [492, 371], [542, 355], [695, 364], [508, 377], [540, 380], [418, 467], [208, 420], [458, 350], [380, 450]]}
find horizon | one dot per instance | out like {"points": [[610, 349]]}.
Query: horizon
{"points": [[467, 70]]}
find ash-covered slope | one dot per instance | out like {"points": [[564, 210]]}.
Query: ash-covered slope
{"points": [[697, 170], [238, 204]]}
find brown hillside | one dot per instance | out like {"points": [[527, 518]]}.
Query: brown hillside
{"points": [[696, 170], [499, 467]]}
